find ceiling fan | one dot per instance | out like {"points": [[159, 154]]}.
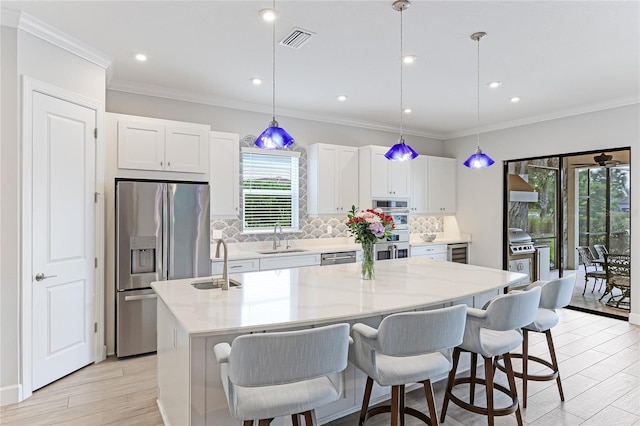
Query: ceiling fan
{"points": [[602, 160]]}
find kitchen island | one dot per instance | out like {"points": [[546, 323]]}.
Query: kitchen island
{"points": [[192, 321]]}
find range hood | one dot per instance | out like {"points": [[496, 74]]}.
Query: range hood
{"points": [[520, 190]]}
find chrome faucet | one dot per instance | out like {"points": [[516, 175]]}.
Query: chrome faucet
{"points": [[276, 240], [225, 262]]}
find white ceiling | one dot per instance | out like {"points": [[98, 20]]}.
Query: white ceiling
{"points": [[560, 57]]}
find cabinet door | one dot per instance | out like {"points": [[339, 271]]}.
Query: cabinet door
{"points": [[418, 200], [325, 179], [224, 181], [441, 185], [399, 178], [347, 178], [379, 178], [186, 149], [140, 145]]}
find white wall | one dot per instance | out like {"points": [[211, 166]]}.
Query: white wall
{"points": [[245, 123], [26, 55], [480, 193]]}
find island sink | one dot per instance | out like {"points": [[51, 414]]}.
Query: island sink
{"points": [[211, 284], [283, 251]]}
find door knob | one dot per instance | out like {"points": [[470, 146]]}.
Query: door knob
{"points": [[40, 276]]}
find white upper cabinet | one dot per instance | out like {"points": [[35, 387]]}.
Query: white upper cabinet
{"points": [[418, 203], [332, 180], [162, 145], [224, 181], [381, 178], [441, 185]]}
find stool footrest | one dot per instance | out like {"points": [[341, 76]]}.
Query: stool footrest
{"points": [[407, 410], [504, 411]]}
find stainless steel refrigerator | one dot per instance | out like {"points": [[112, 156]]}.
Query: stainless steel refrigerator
{"points": [[162, 233]]}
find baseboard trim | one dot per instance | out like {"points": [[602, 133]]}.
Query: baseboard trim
{"points": [[634, 319], [602, 314], [10, 394]]}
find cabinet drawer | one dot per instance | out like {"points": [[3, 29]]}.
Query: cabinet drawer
{"points": [[234, 266], [284, 262], [430, 251]]}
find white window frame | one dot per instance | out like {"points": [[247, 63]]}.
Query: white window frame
{"points": [[294, 192]]}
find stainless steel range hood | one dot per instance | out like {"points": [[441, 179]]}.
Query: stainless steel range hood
{"points": [[520, 190]]}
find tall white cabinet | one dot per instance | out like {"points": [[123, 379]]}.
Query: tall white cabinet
{"points": [[332, 180], [224, 179], [381, 178], [441, 185], [418, 203]]}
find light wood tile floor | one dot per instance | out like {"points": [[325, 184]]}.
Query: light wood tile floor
{"points": [[599, 365]]}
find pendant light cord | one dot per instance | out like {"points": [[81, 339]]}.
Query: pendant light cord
{"points": [[401, 72], [273, 49], [478, 96]]}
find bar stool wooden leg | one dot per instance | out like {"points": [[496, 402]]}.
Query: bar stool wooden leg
{"points": [[488, 373], [554, 362], [525, 365], [401, 405], [365, 401], [295, 420], [247, 423], [451, 378], [428, 393], [310, 418], [512, 386], [395, 399], [472, 383]]}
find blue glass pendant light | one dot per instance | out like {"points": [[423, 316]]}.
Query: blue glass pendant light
{"points": [[274, 136], [401, 151], [478, 160]]}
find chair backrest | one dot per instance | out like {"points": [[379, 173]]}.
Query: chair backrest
{"points": [[286, 357], [557, 293], [586, 257], [513, 310], [601, 250], [617, 265], [414, 333]]}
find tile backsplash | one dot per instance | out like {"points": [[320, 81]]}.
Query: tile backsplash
{"points": [[311, 227]]}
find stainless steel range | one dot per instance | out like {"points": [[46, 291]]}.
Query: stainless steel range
{"points": [[521, 254], [397, 246]]}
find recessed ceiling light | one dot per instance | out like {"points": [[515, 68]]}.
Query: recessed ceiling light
{"points": [[257, 81], [409, 59], [494, 84], [268, 15], [515, 99], [407, 110], [342, 98], [140, 57]]}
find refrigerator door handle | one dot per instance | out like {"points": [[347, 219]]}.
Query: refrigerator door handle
{"points": [[165, 232], [142, 297]]}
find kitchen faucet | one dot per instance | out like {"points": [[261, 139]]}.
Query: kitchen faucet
{"points": [[225, 262], [276, 240]]}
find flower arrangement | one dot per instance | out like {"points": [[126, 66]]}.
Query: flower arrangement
{"points": [[368, 226]]}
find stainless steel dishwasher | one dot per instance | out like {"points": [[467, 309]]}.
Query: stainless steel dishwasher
{"points": [[336, 258]]}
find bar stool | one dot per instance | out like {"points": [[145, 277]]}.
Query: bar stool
{"points": [[492, 332], [407, 348], [554, 294], [270, 375]]}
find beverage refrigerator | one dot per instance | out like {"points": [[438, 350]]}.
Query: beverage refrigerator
{"points": [[162, 233]]}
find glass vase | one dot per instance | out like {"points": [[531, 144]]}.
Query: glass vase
{"points": [[367, 268]]}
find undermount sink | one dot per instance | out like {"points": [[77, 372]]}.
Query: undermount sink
{"points": [[283, 251], [210, 284]]}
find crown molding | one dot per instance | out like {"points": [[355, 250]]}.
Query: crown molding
{"points": [[27, 23], [186, 96], [9, 18], [570, 112]]}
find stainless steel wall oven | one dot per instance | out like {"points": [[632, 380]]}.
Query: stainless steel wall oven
{"points": [[397, 246]]}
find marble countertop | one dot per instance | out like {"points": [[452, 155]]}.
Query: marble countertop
{"points": [[269, 300]]}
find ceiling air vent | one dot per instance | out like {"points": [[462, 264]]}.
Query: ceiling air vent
{"points": [[297, 38]]}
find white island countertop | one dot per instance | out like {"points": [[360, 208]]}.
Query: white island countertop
{"points": [[298, 297]]}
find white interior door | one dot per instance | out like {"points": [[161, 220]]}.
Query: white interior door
{"points": [[63, 239]]}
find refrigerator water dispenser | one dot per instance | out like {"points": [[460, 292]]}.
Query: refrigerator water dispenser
{"points": [[143, 255]]}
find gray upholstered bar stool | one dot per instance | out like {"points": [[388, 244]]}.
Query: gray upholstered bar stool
{"points": [[554, 294], [492, 332], [407, 348], [270, 375]]}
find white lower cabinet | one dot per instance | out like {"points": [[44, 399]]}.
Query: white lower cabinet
{"points": [[284, 262], [235, 266], [431, 251]]}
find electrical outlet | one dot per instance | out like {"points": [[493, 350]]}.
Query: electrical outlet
{"points": [[216, 234], [329, 229]]}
